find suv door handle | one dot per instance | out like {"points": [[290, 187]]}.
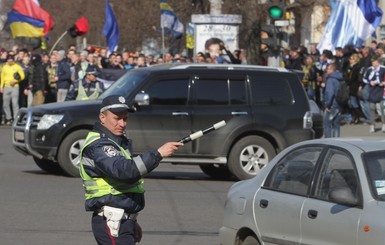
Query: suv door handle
{"points": [[239, 113], [180, 113]]}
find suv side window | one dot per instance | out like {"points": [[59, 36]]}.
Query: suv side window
{"points": [[169, 92], [293, 173], [238, 92], [211, 92], [219, 92], [271, 91]]}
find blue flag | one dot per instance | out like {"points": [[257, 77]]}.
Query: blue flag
{"points": [[168, 19], [110, 29], [351, 22]]}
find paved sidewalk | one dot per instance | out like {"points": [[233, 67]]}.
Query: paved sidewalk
{"points": [[361, 130]]}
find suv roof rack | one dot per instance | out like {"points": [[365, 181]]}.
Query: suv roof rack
{"points": [[228, 67]]}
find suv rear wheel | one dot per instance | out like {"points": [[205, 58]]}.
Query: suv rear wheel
{"points": [[216, 171], [69, 152], [249, 155]]}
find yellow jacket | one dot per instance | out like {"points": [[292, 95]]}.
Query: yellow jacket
{"points": [[7, 75]]}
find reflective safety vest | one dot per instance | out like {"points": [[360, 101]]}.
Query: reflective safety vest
{"points": [[96, 186], [82, 95]]}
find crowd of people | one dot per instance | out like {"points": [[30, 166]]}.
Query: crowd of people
{"points": [[363, 71], [29, 79]]}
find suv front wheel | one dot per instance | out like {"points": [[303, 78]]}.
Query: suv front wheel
{"points": [[69, 152], [249, 155], [49, 166]]}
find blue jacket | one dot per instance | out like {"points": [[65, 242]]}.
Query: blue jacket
{"points": [[64, 74], [332, 86], [117, 167]]}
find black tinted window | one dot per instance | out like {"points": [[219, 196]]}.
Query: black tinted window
{"points": [[270, 91], [168, 92], [237, 92], [211, 92]]}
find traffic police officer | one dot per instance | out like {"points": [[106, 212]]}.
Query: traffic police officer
{"points": [[87, 88], [112, 178]]}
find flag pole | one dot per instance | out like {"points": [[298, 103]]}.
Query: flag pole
{"points": [[58, 40], [163, 48]]}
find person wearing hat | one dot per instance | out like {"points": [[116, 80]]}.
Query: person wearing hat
{"points": [[112, 177], [87, 88], [11, 74], [37, 80]]}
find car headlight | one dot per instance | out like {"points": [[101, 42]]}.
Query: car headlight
{"points": [[48, 120]]}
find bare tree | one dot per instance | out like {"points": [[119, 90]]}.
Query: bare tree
{"points": [[137, 19]]}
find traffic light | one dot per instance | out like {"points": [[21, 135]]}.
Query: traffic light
{"points": [[276, 9], [270, 39]]}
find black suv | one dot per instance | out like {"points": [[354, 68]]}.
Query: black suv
{"points": [[265, 109]]}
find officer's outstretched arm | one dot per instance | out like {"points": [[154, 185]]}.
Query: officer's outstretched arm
{"points": [[169, 148]]}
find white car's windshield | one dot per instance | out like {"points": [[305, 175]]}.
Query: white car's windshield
{"points": [[375, 170]]}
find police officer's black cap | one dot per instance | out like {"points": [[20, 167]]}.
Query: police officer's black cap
{"points": [[92, 71], [115, 104]]}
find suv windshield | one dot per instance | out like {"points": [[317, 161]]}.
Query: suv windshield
{"points": [[375, 170], [125, 85]]}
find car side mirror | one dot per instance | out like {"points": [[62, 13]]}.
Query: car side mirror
{"points": [[142, 99], [343, 195]]}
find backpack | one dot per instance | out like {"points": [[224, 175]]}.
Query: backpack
{"points": [[342, 96]]}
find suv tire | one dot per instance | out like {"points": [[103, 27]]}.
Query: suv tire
{"points": [[216, 171], [69, 152], [249, 155], [48, 166]]}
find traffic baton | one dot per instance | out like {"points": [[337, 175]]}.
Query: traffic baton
{"points": [[200, 133]]}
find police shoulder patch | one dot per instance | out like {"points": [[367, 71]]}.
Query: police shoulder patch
{"points": [[110, 151]]}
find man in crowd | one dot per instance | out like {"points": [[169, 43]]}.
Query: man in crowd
{"points": [[37, 80], [373, 78], [11, 74], [332, 108], [63, 76]]}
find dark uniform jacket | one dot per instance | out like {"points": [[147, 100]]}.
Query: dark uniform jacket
{"points": [[117, 167], [89, 88]]}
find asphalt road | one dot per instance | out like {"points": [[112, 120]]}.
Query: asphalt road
{"points": [[183, 205]]}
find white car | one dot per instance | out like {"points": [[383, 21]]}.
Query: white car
{"points": [[327, 191]]}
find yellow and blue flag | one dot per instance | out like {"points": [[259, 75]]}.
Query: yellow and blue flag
{"points": [[190, 36], [25, 26], [32, 9]]}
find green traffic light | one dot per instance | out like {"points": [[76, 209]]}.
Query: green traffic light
{"points": [[275, 12]]}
